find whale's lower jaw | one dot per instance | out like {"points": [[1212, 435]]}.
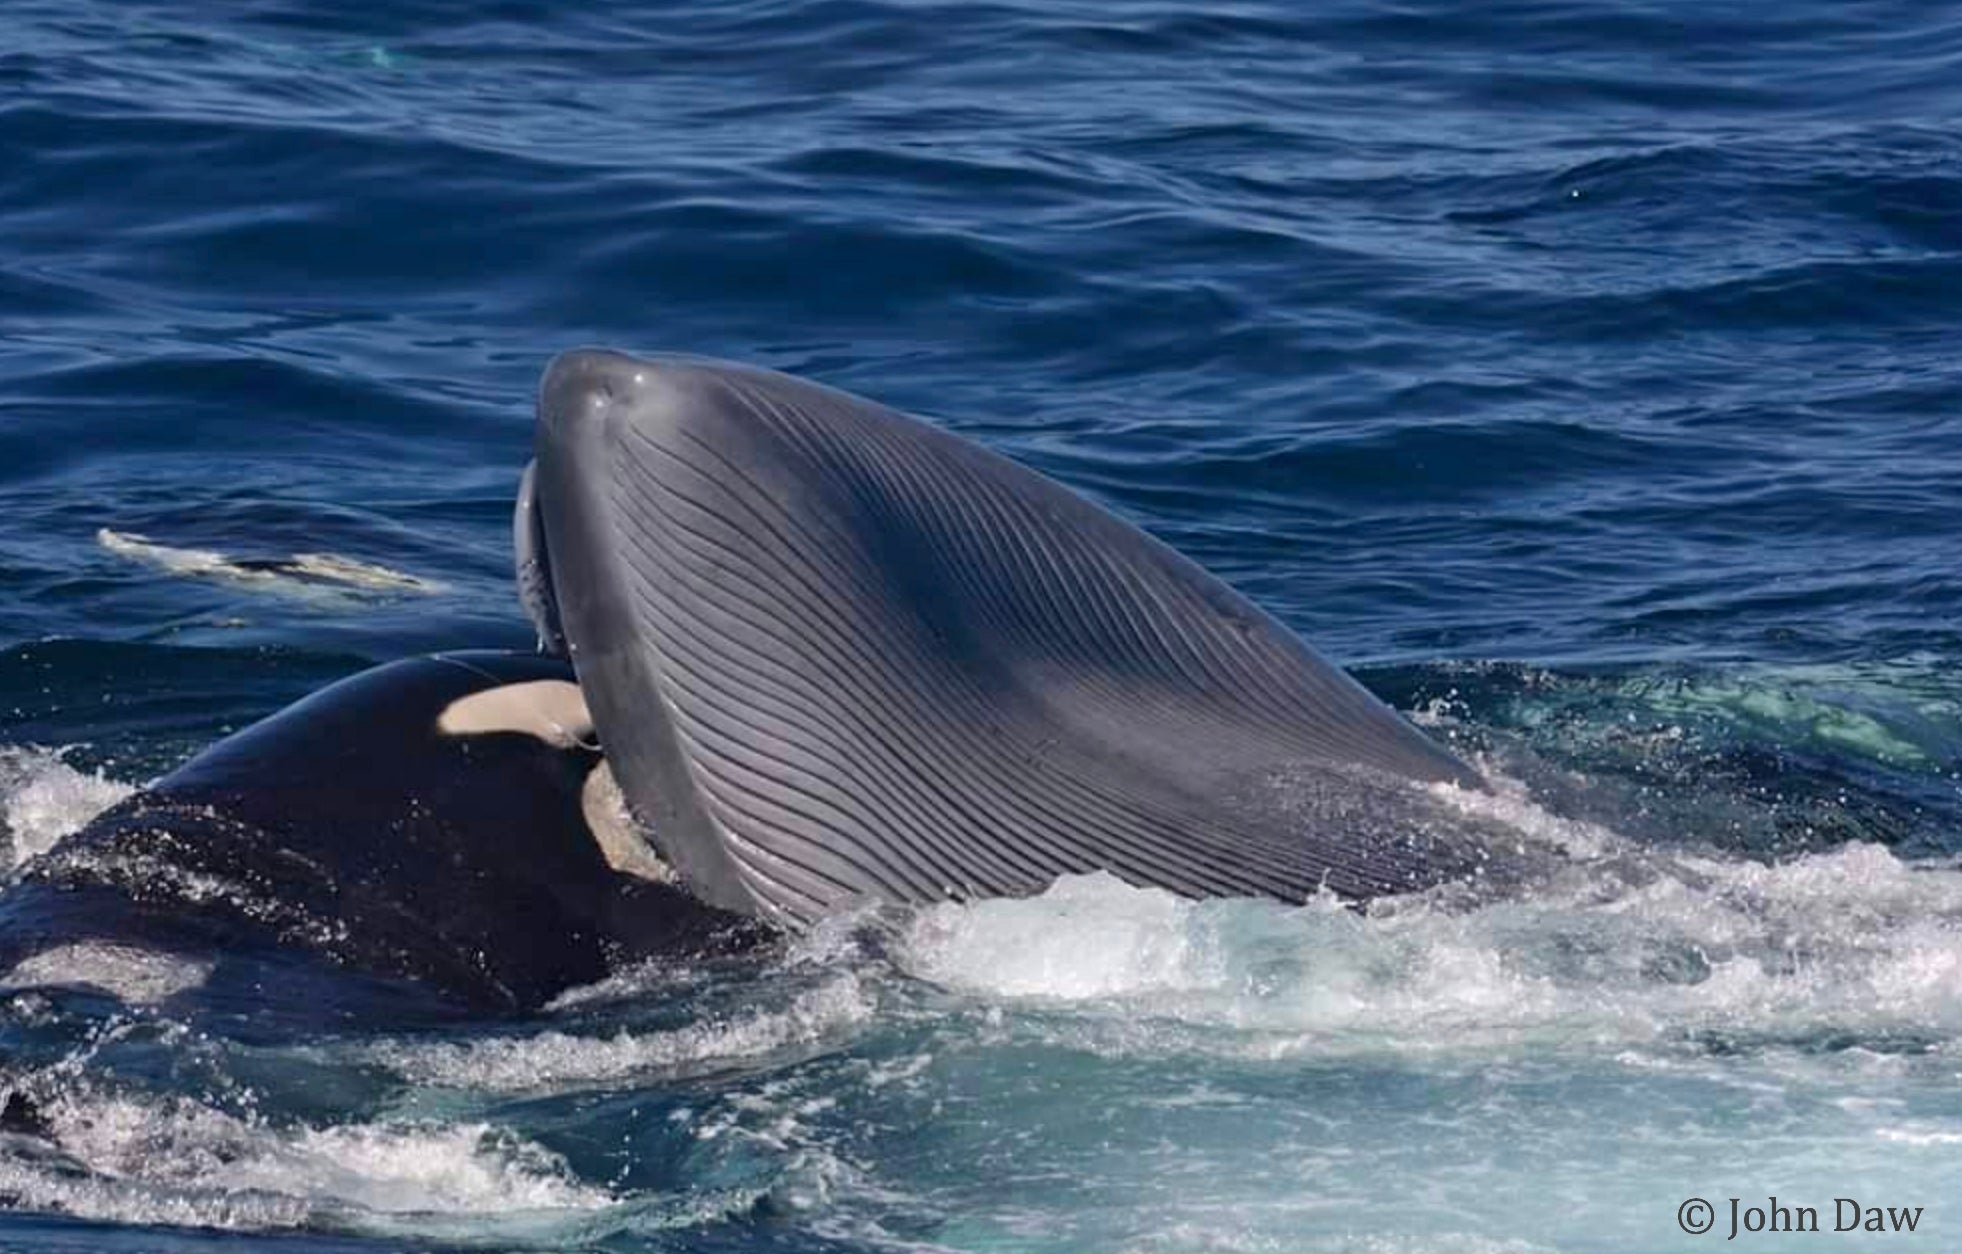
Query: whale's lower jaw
{"points": [[837, 655]]}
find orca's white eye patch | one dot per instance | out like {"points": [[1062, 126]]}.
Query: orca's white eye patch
{"points": [[553, 710]]}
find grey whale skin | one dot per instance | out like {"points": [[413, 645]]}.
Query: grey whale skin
{"points": [[836, 655], [416, 840]]}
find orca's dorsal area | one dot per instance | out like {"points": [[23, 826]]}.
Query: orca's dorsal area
{"points": [[836, 654]]}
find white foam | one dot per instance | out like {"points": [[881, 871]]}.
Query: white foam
{"points": [[1089, 937], [42, 799], [555, 1059], [1918, 1136], [1242, 1240], [174, 1161], [1849, 940], [1509, 804], [141, 977]]}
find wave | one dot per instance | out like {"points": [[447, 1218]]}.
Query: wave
{"points": [[43, 798], [139, 1159]]}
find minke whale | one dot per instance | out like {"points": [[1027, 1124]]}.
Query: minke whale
{"points": [[836, 655], [433, 836]]}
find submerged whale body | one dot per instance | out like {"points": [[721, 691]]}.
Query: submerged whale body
{"points": [[836, 655], [431, 836]]}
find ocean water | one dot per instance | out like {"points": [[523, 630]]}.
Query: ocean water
{"points": [[1584, 376]]}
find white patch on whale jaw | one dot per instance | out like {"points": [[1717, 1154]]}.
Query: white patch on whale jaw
{"points": [[620, 836], [552, 710]]}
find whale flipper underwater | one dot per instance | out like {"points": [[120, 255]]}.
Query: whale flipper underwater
{"points": [[427, 837], [836, 655]]}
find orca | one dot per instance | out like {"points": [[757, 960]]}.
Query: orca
{"points": [[432, 837], [837, 655]]}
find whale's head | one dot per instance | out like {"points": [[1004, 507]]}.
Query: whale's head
{"points": [[587, 397], [597, 530], [839, 655]]}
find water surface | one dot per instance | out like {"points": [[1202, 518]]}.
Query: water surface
{"points": [[1585, 376]]}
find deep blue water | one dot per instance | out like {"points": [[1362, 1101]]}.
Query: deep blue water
{"points": [[1584, 375]]}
